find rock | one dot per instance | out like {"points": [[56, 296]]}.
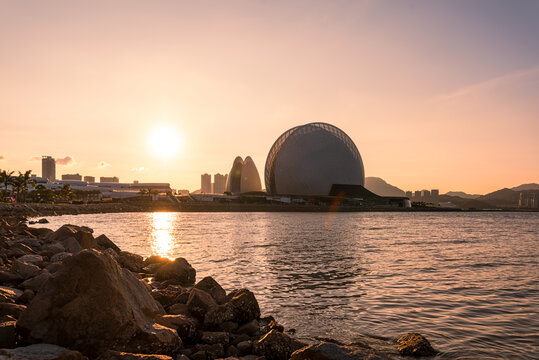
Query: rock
{"points": [[199, 303], [8, 294], [27, 296], [219, 315], [156, 259], [199, 355], [24, 269], [274, 346], [245, 347], [244, 305], [178, 270], [32, 259], [212, 351], [178, 309], [215, 337], [41, 352], [53, 267], [36, 282], [185, 327], [7, 277], [91, 304], [167, 297], [11, 309], [72, 245], [103, 242], [232, 351], [209, 285], [331, 351], [50, 250], [416, 345], [17, 249], [130, 261], [250, 328], [274, 325], [61, 256], [8, 334], [228, 326], [118, 355], [40, 232], [83, 235]]}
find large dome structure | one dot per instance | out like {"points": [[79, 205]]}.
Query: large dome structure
{"points": [[243, 176], [309, 159]]}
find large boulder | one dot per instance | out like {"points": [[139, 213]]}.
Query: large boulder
{"points": [[274, 346], [199, 303], [178, 271], [41, 352], [212, 287], [24, 269], [8, 294], [244, 304], [331, 351], [92, 304], [8, 334], [416, 345], [83, 235], [130, 261], [103, 242]]}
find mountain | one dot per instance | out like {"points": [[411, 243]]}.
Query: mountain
{"points": [[466, 203], [531, 186], [502, 198], [380, 187], [462, 194]]}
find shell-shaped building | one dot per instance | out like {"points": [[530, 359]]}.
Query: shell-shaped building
{"points": [[243, 177], [309, 159]]}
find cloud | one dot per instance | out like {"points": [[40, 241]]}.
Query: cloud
{"points": [[68, 160], [103, 164], [139, 169], [2, 157], [35, 158]]}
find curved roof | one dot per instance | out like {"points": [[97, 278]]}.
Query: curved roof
{"points": [[233, 183], [250, 180], [308, 159]]}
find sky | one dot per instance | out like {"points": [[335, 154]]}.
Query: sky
{"points": [[435, 94]]}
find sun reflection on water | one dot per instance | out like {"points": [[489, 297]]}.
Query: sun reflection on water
{"points": [[162, 234]]}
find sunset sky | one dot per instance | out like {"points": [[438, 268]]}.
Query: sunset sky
{"points": [[435, 94]]}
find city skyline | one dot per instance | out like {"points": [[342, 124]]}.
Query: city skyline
{"points": [[433, 94]]}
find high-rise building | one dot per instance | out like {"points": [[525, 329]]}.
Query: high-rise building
{"points": [[89, 179], [72, 177], [48, 168], [417, 195], [435, 196], [205, 183], [409, 194], [219, 183], [425, 195], [109, 179]]}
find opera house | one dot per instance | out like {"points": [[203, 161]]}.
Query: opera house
{"points": [[243, 177], [313, 160]]}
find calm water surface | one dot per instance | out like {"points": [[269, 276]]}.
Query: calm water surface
{"points": [[468, 281]]}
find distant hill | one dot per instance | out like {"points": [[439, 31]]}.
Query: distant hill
{"points": [[466, 203], [462, 194], [502, 198], [382, 188], [531, 186]]}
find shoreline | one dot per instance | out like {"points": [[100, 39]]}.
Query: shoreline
{"points": [[99, 302]]}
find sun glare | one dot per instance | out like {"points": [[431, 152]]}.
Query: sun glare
{"points": [[164, 142]]}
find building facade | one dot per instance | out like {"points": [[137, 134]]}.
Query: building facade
{"points": [[109, 179], [72, 177], [205, 184], [219, 183], [48, 168], [89, 179]]}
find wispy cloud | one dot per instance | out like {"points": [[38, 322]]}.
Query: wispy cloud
{"points": [[68, 160], [496, 82], [103, 164], [2, 157], [139, 169], [35, 158]]}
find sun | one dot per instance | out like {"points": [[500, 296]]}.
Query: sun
{"points": [[164, 141]]}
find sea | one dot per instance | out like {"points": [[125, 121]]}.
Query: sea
{"points": [[468, 281]]}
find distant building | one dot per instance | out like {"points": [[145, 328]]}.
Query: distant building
{"points": [[417, 195], [435, 196], [48, 168], [72, 177], [205, 184], [243, 176], [182, 192], [109, 179], [90, 179], [219, 183], [409, 194], [529, 199], [425, 195]]}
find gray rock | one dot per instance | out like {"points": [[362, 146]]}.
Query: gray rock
{"points": [[82, 235], [41, 352], [130, 261], [51, 249], [244, 305], [61, 256], [274, 346], [215, 337], [331, 351], [245, 347], [199, 303], [250, 328], [179, 270], [7, 277], [209, 285], [72, 245], [11, 309], [103, 242], [37, 281], [24, 269]]}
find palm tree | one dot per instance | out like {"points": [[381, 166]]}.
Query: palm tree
{"points": [[66, 192], [5, 178]]}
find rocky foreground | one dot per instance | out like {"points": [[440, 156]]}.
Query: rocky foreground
{"points": [[66, 295]]}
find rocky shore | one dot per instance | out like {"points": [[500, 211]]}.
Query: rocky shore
{"points": [[68, 294]]}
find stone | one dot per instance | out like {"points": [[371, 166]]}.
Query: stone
{"points": [[43, 221], [17, 249], [91, 304], [232, 351], [24, 269], [41, 352], [53, 267], [8, 294], [156, 259], [32, 259], [7, 277], [332, 351], [11, 309], [212, 351], [416, 345], [27, 296], [199, 303], [178, 309], [178, 270], [250, 328], [61, 256], [244, 305], [186, 328], [245, 347], [209, 285], [199, 355], [166, 297], [215, 337], [219, 314], [228, 326], [40, 232], [50, 249], [8, 334], [82, 235], [274, 346], [118, 355], [37, 281], [71, 245], [130, 261], [103, 242]]}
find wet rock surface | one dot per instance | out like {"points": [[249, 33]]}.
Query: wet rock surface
{"points": [[416, 345], [66, 294]]}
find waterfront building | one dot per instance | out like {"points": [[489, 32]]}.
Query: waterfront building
{"points": [[89, 179], [434, 196], [409, 194], [48, 168], [243, 176], [310, 159], [205, 184], [417, 195], [109, 179], [77, 177], [219, 183]]}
